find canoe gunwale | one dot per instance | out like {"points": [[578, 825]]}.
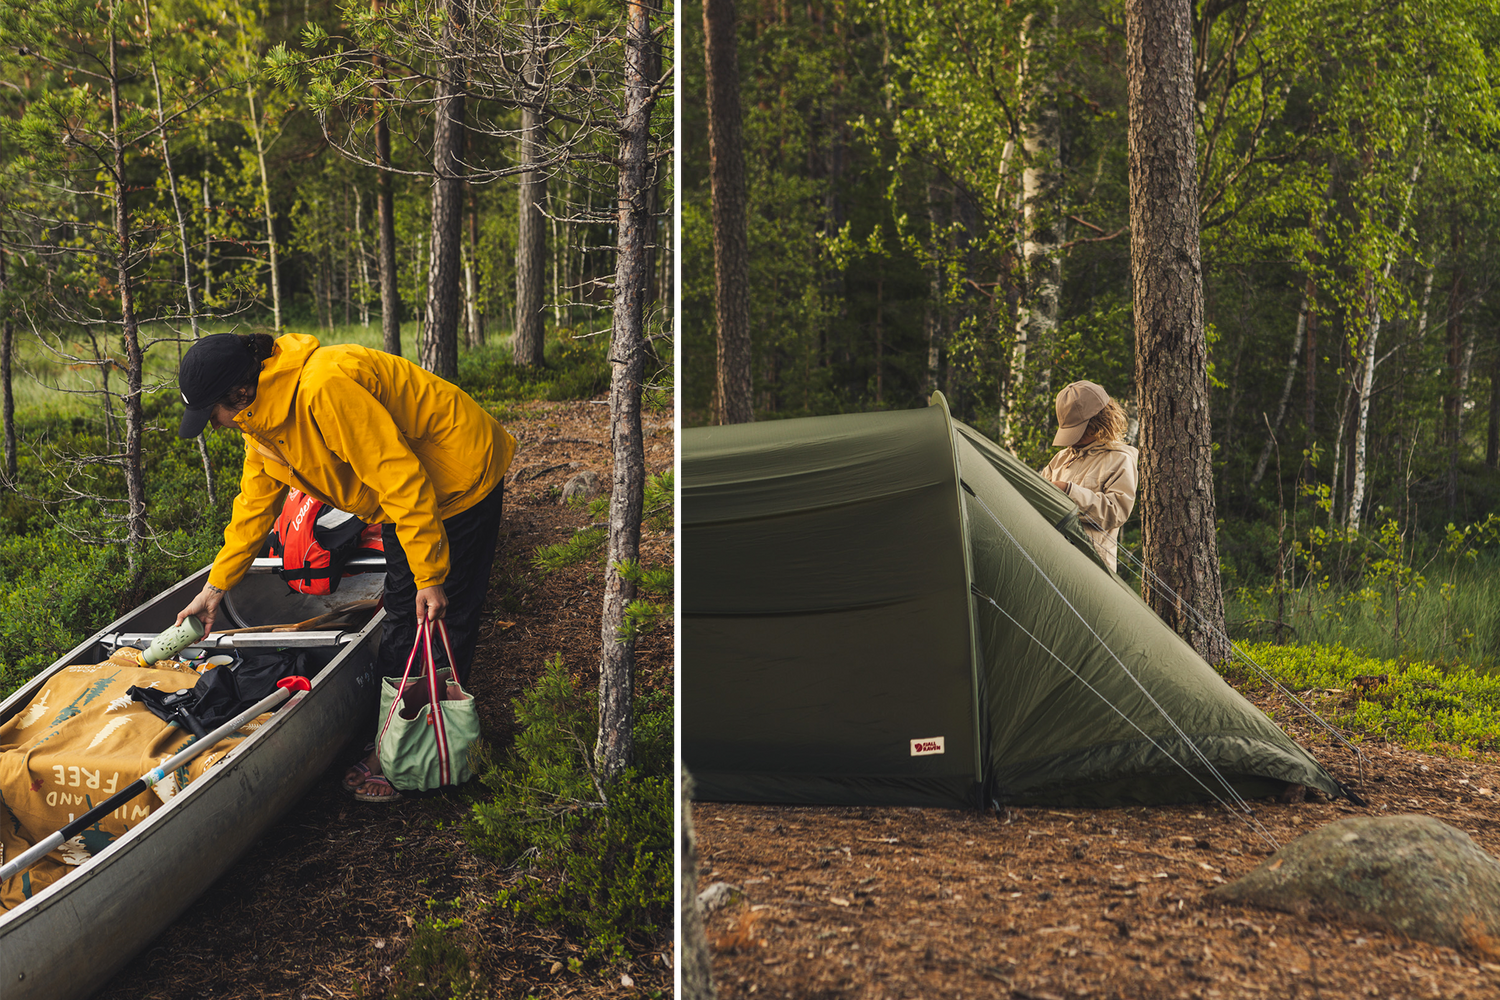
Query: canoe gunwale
{"points": [[38, 936]]}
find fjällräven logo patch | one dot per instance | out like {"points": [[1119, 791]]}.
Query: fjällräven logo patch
{"points": [[921, 748]]}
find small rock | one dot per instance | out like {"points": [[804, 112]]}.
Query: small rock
{"points": [[1413, 875], [585, 484], [718, 895]]}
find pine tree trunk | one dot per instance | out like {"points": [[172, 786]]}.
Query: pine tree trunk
{"points": [[1491, 443], [531, 222], [135, 416], [615, 747], [726, 157], [1171, 367], [439, 351], [385, 201], [210, 487]]}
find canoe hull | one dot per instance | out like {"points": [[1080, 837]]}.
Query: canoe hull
{"points": [[67, 942]]}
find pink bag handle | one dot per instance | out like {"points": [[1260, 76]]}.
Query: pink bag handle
{"points": [[429, 667]]}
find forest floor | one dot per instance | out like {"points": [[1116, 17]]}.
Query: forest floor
{"points": [[1058, 904], [327, 902]]}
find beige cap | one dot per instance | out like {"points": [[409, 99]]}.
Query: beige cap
{"points": [[1077, 404]]}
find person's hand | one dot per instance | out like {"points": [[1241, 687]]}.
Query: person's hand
{"points": [[204, 607], [432, 603]]}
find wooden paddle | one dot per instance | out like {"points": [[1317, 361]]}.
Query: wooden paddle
{"points": [[311, 623]]}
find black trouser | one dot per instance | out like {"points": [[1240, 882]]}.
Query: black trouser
{"points": [[471, 551]]}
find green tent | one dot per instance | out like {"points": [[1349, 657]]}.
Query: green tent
{"points": [[889, 609]]}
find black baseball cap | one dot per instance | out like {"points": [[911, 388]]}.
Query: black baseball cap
{"points": [[209, 369]]}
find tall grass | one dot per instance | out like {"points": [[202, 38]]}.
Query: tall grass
{"points": [[1447, 612]]}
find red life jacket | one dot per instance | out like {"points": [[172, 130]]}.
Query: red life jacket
{"points": [[315, 540]]}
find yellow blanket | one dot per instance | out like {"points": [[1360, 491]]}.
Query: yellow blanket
{"points": [[81, 740]]}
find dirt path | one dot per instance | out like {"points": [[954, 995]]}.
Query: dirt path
{"points": [[1057, 904], [324, 905]]}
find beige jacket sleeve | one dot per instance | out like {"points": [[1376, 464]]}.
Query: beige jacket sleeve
{"points": [[1101, 480]]}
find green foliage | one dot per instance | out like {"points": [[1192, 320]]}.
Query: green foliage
{"points": [[660, 496], [435, 966], [577, 367], [595, 860], [1380, 592], [645, 612], [585, 544], [1422, 705]]}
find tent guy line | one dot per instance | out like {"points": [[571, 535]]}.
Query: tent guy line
{"points": [[1243, 807], [1244, 810], [1161, 587]]}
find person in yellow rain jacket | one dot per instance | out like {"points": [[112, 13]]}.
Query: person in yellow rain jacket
{"points": [[372, 434]]}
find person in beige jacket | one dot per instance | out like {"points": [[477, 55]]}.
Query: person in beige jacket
{"points": [[1095, 468]]}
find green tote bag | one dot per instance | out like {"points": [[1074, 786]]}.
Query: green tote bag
{"points": [[429, 721]]}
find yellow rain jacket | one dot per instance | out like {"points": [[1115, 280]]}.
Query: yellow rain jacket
{"points": [[369, 433]]}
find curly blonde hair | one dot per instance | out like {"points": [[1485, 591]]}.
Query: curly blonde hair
{"points": [[1107, 425]]}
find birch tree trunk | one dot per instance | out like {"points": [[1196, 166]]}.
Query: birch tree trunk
{"points": [[208, 258], [1367, 380], [1171, 364], [1030, 391], [439, 352], [364, 260], [726, 157], [265, 197], [474, 320], [531, 222], [615, 747]]}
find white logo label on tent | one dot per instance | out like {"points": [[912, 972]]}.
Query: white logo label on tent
{"points": [[921, 748]]}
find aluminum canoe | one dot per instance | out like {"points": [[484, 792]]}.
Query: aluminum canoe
{"points": [[68, 940]]}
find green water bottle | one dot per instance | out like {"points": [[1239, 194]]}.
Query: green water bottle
{"points": [[174, 639]]}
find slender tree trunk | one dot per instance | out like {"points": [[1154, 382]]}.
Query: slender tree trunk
{"points": [[1286, 386], [1367, 381], [135, 417], [385, 201], [439, 353], [726, 157], [7, 352], [531, 222], [932, 318], [474, 327], [627, 360], [208, 240], [265, 197], [1171, 368], [364, 260], [1491, 443], [210, 487], [1029, 408]]}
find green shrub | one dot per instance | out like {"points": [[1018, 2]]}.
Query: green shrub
{"points": [[597, 861], [1422, 705], [435, 967]]}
